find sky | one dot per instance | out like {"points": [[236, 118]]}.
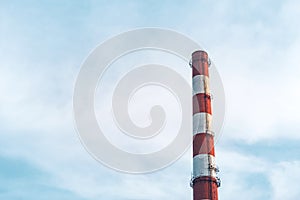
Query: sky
{"points": [[254, 44]]}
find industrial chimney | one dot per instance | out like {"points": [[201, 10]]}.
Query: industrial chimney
{"points": [[204, 181]]}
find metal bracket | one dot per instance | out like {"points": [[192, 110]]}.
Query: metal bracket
{"points": [[218, 181], [209, 62], [217, 169], [210, 132], [190, 63], [214, 167]]}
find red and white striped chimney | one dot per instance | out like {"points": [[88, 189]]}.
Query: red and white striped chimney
{"points": [[204, 181]]}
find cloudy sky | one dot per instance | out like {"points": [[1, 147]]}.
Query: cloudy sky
{"points": [[254, 44]]}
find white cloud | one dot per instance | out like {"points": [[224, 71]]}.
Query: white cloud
{"points": [[237, 171], [258, 64], [284, 178]]}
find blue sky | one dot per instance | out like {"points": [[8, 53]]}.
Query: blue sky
{"points": [[254, 44]]}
